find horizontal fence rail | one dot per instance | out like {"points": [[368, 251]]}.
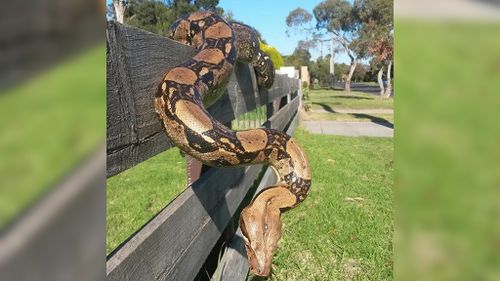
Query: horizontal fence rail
{"points": [[176, 242], [136, 63]]}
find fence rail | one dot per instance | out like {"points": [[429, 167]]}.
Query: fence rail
{"points": [[177, 241]]}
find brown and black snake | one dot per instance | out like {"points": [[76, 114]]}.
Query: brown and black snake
{"points": [[184, 93]]}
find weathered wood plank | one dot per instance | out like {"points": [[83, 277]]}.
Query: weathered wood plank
{"points": [[174, 244], [234, 263], [158, 253], [62, 236], [135, 66], [284, 115], [136, 62]]}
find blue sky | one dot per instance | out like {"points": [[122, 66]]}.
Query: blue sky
{"points": [[268, 17]]}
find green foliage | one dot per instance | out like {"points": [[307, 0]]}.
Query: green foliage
{"points": [[157, 16], [363, 27], [305, 96], [375, 35], [298, 17], [152, 16], [299, 58], [273, 53], [320, 70], [336, 16]]}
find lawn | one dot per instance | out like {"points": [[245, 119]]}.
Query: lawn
{"points": [[448, 170], [354, 100], [325, 104], [136, 195], [361, 117], [49, 124], [344, 229]]}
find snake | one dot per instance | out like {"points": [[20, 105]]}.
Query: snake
{"points": [[183, 95]]}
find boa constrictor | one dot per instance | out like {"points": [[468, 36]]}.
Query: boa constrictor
{"points": [[180, 102]]}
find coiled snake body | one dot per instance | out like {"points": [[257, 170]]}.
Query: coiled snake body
{"points": [[180, 103]]}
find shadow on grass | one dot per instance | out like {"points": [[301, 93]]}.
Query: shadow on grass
{"points": [[352, 97], [373, 119], [325, 107]]}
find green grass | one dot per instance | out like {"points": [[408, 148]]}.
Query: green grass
{"points": [[324, 100], [343, 231], [349, 117], [49, 124], [136, 195], [251, 119], [448, 159], [354, 100]]}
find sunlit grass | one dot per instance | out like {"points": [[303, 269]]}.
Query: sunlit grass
{"points": [[324, 103], [313, 116], [354, 100], [448, 156], [136, 195], [343, 230], [49, 124]]}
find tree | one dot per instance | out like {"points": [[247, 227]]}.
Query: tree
{"points": [[377, 36], [157, 16], [300, 21], [339, 19], [153, 16], [383, 51], [360, 73], [355, 26], [119, 8], [299, 58], [320, 70]]}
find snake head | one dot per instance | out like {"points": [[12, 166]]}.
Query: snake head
{"points": [[261, 227]]}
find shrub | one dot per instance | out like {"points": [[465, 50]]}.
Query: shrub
{"points": [[273, 54], [305, 96]]}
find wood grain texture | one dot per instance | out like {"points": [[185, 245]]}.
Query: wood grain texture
{"points": [[174, 244], [62, 235], [284, 115], [136, 62], [168, 248]]}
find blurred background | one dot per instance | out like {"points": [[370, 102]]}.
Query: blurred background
{"points": [[52, 124], [447, 182]]}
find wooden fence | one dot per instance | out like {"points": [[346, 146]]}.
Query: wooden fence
{"points": [[177, 242]]}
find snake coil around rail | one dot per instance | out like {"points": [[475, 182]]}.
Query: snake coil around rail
{"points": [[180, 103]]}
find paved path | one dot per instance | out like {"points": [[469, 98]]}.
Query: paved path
{"points": [[343, 128]]}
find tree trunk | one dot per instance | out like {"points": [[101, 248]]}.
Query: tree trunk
{"points": [[388, 88], [119, 10], [380, 81], [347, 87]]}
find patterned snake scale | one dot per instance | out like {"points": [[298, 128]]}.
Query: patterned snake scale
{"points": [[180, 102]]}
